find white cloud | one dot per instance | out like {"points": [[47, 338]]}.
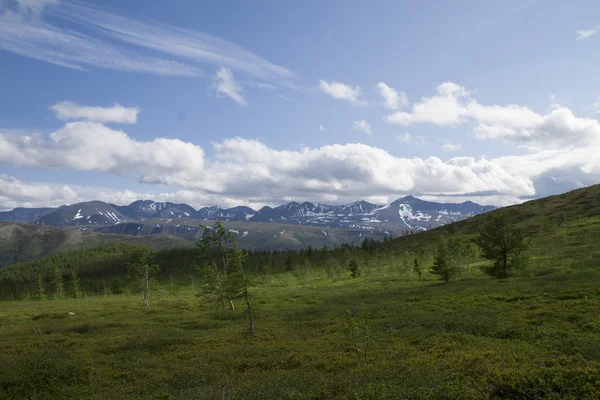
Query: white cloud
{"points": [[35, 6], [452, 105], [583, 34], [86, 145], [443, 109], [284, 97], [341, 91], [17, 193], [68, 110], [25, 34], [23, 31], [321, 128], [392, 99], [185, 43], [363, 126], [404, 138], [449, 147], [226, 86], [248, 171]]}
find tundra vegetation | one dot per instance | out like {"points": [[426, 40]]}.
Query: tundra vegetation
{"points": [[502, 305]]}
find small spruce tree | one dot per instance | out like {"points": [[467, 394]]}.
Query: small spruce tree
{"points": [[140, 271], [173, 288], [417, 268], [57, 283], [289, 266], [443, 264], [40, 289], [353, 268], [504, 245], [75, 291]]}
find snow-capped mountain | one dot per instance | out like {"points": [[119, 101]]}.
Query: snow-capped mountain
{"points": [[312, 214], [418, 215], [143, 209], [88, 213], [239, 213], [405, 214]]}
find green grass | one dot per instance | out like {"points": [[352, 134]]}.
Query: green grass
{"points": [[536, 337]]}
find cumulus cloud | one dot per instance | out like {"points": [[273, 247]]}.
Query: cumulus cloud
{"points": [[392, 99], [342, 91], [84, 145], [226, 86], [68, 110], [449, 147], [585, 33], [248, 171], [443, 109], [452, 105], [363, 126], [18, 193]]}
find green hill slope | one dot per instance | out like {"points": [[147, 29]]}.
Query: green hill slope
{"points": [[564, 229], [532, 336], [24, 242]]}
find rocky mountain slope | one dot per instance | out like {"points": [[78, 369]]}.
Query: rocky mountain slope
{"points": [[408, 213]]}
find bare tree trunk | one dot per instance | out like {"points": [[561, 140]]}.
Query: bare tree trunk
{"points": [[250, 316], [146, 288]]}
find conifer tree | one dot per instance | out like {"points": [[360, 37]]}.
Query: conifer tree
{"points": [[140, 271], [504, 245], [57, 283], [40, 289], [221, 265]]}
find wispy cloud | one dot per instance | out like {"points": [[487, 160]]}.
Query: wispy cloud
{"points": [[586, 33], [449, 147], [25, 34], [186, 43], [595, 106], [342, 91], [321, 128], [108, 39], [68, 111], [226, 86], [363, 126], [284, 97]]}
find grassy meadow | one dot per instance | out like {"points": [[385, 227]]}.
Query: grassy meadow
{"points": [[528, 337], [535, 335]]}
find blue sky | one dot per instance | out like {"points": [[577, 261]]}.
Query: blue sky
{"points": [[265, 102]]}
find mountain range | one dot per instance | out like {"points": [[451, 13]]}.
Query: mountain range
{"points": [[408, 213]]}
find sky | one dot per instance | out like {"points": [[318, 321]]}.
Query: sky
{"points": [[260, 103]]}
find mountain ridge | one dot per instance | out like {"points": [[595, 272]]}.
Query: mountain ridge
{"points": [[408, 213]]}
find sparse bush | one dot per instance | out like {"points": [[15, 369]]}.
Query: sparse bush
{"points": [[353, 268]]}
